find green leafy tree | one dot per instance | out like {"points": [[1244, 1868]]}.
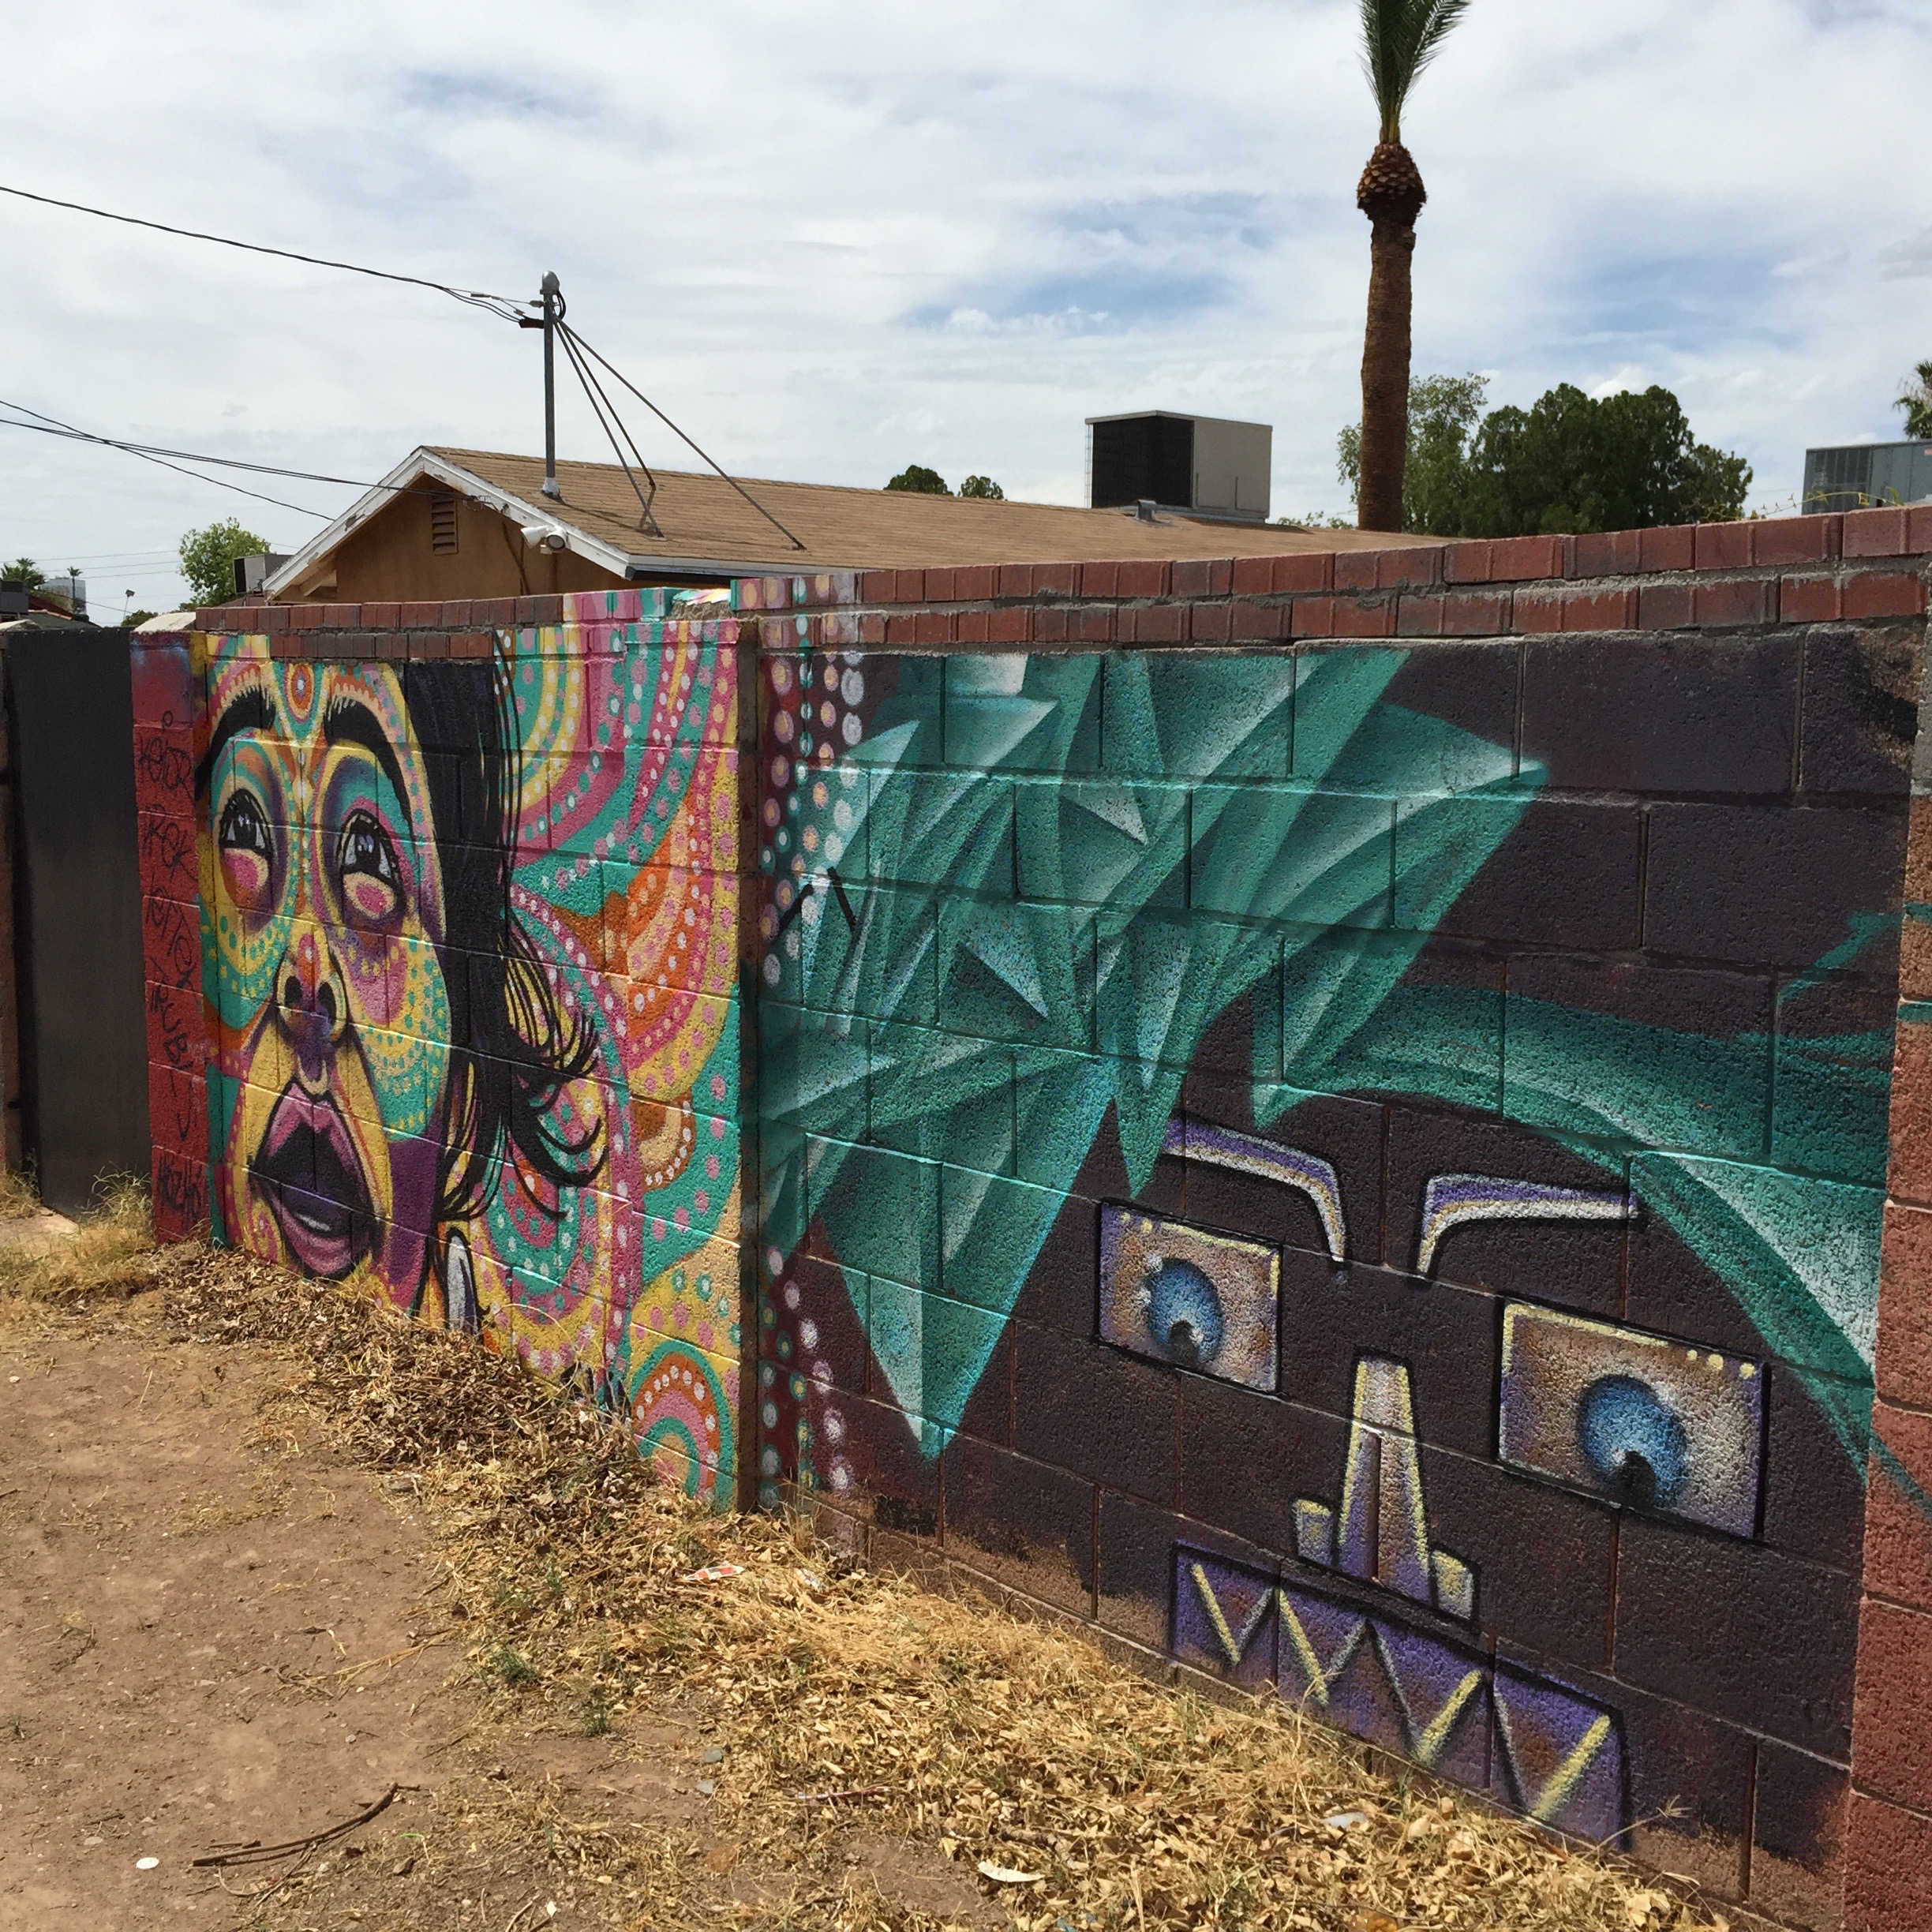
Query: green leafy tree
{"points": [[135, 617], [920, 480], [1916, 399], [23, 570], [1573, 463], [1399, 38], [1715, 483], [1579, 463], [208, 558], [984, 487], [1443, 413]]}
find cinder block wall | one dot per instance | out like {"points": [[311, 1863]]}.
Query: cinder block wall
{"points": [[1328, 1116], [442, 944]]}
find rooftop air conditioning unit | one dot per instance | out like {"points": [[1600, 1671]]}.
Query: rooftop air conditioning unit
{"points": [[1863, 476], [251, 572], [1200, 466]]}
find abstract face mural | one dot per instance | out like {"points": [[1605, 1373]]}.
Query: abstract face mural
{"points": [[1240, 1145], [469, 952]]}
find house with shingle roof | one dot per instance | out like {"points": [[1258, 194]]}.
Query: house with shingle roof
{"points": [[455, 523]]}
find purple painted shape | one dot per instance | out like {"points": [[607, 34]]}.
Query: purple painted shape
{"points": [[1444, 1692], [1223, 1617], [1308, 1173], [1559, 1756], [1326, 1667], [1531, 1741], [1386, 1683], [1453, 1200]]}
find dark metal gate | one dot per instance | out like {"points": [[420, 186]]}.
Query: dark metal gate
{"points": [[77, 910]]}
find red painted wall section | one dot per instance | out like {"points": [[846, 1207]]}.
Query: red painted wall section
{"points": [[166, 671], [1891, 1821]]}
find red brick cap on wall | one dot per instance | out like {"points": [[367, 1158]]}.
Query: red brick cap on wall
{"points": [[1864, 565]]}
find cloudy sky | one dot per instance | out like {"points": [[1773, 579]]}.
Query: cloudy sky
{"points": [[831, 239]]}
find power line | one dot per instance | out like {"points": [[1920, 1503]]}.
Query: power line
{"points": [[104, 572], [52, 426], [117, 560], [502, 305], [600, 403]]}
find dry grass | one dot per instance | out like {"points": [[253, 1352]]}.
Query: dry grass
{"points": [[993, 1739], [111, 1254], [20, 1201]]}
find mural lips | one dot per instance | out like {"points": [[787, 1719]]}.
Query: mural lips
{"points": [[307, 1171]]}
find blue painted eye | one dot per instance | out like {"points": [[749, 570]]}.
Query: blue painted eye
{"points": [[1634, 1441], [1183, 1312]]}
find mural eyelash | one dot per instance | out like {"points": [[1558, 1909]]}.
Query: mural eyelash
{"points": [[250, 709]]}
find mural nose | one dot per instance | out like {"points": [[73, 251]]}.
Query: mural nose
{"points": [[312, 1008]]}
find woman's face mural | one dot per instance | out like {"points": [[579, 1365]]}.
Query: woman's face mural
{"points": [[469, 955], [321, 876]]}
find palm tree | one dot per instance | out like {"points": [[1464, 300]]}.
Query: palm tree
{"points": [[1915, 400], [1399, 38]]}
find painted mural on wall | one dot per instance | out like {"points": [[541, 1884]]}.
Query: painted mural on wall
{"points": [[1234, 1158], [470, 964]]}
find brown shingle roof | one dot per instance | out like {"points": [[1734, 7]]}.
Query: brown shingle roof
{"points": [[702, 517]]}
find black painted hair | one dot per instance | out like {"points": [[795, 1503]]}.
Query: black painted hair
{"points": [[514, 1049]]}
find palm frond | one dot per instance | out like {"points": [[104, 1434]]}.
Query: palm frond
{"points": [[1399, 38], [1916, 399]]}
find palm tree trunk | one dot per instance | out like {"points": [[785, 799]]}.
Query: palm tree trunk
{"points": [[1385, 375]]}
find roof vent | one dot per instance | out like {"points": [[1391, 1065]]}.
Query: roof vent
{"points": [[442, 522]]}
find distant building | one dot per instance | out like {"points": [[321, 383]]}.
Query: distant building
{"points": [[1860, 476], [45, 608]]}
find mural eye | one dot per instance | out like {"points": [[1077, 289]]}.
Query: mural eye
{"points": [[1640, 1420], [1180, 1295], [247, 848], [371, 878], [1183, 1312], [1633, 1440], [244, 826]]}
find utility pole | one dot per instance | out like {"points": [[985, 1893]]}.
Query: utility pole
{"points": [[554, 309], [552, 314]]}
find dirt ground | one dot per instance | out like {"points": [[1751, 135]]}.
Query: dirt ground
{"points": [[217, 1630], [401, 1640], [218, 1634]]}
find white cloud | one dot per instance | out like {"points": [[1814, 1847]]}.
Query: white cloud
{"points": [[1912, 256], [836, 239]]}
